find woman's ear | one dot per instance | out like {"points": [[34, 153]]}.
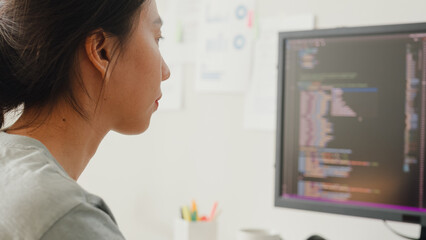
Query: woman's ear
{"points": [[99, 49]]}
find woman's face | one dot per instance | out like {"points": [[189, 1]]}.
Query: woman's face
{"points": [[133, 89]]}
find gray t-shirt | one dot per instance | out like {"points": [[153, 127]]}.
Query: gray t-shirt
{"points": [[38, 200]]}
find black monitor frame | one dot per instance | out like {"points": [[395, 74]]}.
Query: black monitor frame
{"points": [[360, 211]]}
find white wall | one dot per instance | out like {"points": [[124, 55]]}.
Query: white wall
{"points": [[203, 153]]}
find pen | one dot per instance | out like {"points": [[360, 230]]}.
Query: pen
{"points": [[213, 212], [186, 214], [218, 212], [194, 211]]}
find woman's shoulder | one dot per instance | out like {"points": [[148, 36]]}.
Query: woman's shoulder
{"points": [[26, 163], [35, 191]]}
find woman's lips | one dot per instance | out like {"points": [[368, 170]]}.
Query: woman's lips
{"points": [[157, 102]]}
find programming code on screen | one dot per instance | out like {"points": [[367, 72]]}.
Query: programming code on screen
{"points": [[354, 120]]}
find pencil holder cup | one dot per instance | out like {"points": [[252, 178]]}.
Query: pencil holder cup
{"points": [[185, 230]]}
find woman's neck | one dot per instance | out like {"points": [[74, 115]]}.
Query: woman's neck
{"points": [[71, 139]]}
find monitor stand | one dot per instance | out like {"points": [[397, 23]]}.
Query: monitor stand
{"points": [[316, 237], [423, 233]]}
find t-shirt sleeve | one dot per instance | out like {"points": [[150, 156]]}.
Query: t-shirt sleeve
{"points": [[84, 222]]}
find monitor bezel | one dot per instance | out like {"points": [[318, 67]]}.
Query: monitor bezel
{"points": [[328, 207]]}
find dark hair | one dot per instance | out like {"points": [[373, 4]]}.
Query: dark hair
{"points": [[38, 46]]}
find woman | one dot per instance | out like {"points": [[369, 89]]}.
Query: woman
{"points": [[79, 69]]}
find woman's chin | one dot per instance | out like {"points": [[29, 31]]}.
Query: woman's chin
{"points": [[132, 129]]}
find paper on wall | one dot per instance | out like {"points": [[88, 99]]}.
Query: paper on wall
{"points": [[172, 88], [180, 29], [225, 45], [261, 98], [178, 48]]}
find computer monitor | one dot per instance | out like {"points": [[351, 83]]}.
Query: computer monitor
{"points": [[351, 122]]}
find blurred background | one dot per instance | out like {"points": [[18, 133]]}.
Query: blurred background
{"points": [[213, 138]]}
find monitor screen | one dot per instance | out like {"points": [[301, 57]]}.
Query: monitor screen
{"points": [[351, 121]]}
